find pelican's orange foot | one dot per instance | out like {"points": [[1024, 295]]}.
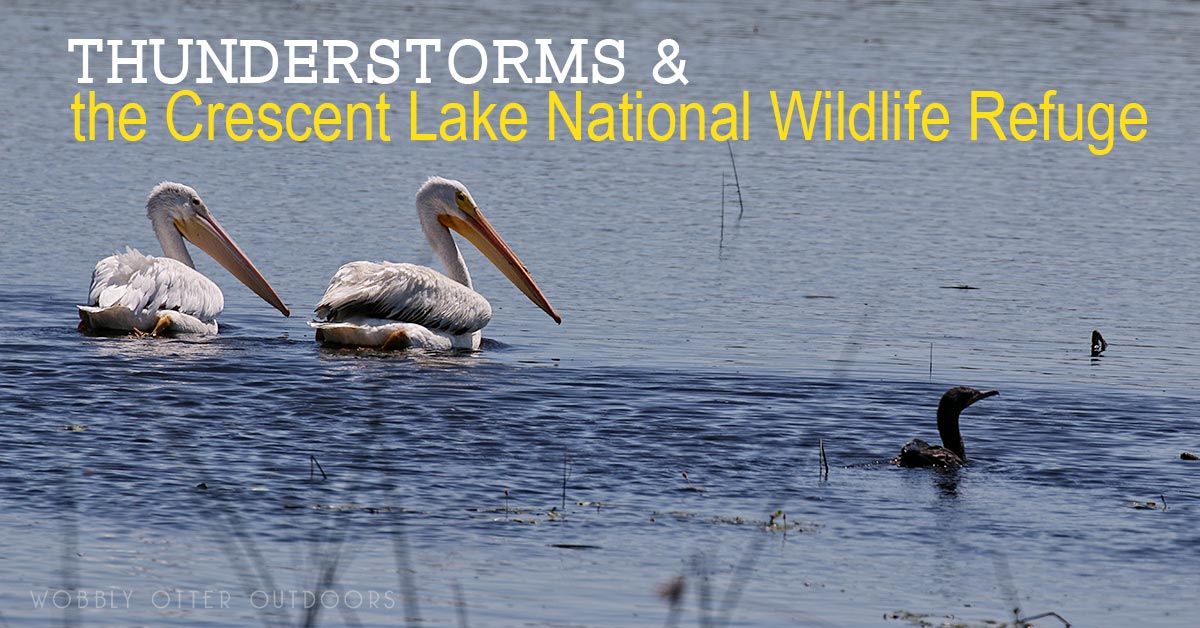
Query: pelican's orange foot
{"points": [[398, 340], [163, 323]]}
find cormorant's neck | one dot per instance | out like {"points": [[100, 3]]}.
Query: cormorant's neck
{"points": [[947, 421]]}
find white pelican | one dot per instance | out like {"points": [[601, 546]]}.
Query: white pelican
{"points": [[143, 294], [396, 306]]}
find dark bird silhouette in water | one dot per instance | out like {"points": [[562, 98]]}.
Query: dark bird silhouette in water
{"points": [[918, 453], [1098, 344]]}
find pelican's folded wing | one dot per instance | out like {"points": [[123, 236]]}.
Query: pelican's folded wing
{"points": [[144, 283], [405, 293]]}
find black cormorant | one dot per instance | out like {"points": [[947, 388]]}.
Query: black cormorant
{"points": [[918, 453]]}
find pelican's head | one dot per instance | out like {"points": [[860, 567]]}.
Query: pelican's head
{"points": [[450, 203], [179, 206]]}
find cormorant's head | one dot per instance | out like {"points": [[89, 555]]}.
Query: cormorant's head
{"points": [[958, 398]]}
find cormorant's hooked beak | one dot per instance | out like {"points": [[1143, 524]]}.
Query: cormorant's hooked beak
{"points": [[206, 233], [479, 231], [984, 395]]}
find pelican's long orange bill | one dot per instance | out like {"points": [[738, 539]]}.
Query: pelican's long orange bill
{"points": [[480, 232], [206, 233]]}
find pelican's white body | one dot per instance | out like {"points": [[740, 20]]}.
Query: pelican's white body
{"points": [[132, 292], [430, 309], [139, 293], [398, 306]]}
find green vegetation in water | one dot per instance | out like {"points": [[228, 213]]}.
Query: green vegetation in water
{"points": [[926, 620], [775, 522], [1149, 505]]}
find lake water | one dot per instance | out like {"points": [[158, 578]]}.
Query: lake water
{"points": [[821, 316]]}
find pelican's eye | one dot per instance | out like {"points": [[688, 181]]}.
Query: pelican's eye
{"points": [[460, 199], [196, 201]]}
